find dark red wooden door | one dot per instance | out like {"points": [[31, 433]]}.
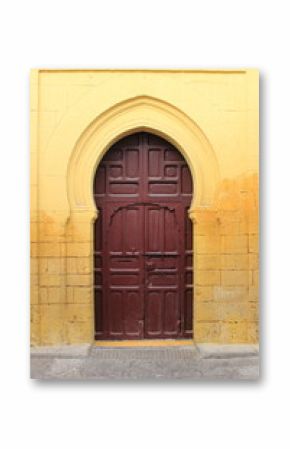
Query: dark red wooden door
{"points": [[143, 241]]}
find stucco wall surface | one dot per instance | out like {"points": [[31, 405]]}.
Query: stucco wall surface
{"points": [[212, 118]]}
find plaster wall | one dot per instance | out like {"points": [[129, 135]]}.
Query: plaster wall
{"points": [[212, 118]]}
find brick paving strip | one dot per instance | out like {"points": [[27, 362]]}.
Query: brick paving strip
{"points": [[196, 362]]}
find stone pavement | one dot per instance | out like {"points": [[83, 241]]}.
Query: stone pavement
{"points": [[194, 362]]}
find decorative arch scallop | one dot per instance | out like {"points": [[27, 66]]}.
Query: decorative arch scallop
{"points": [[136, 115]]}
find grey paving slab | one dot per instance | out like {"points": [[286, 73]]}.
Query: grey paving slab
{"points": [[61, 351], [39, 367], [224, 351], [184, 362], [67, 369]]}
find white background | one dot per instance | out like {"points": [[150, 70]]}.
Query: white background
{"points": [[147, 34]]}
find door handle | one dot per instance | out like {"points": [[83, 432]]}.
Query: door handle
{"points": [[150, 266]]}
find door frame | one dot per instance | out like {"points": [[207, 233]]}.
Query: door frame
{"points": [[133, 115]]}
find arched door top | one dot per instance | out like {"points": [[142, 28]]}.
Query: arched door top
{"points": [[134, 115]]}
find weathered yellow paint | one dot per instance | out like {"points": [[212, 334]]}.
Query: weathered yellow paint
{"points": [[211, 116]]}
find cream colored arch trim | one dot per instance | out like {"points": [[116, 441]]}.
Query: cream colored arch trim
{"points": [[133, 115]]}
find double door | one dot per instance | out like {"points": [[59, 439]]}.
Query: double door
{"points": [[143, 242]]}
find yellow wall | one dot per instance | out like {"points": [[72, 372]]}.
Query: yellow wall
{"points": [[212, 117]]}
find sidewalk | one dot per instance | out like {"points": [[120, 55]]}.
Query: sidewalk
{"points": [[196, 362]]}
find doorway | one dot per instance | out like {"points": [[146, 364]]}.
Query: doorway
{"points": [[143, 278]]}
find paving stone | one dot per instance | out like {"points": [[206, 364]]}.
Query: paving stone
{"points": [[39, 367], [227, 351], [172, 363], [66, 369], [61, 351]]}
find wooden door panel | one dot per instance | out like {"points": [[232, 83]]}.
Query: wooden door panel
{"points": [[124, 271], [161, 278], [133, 314], [171, 230], [143, 241], [162, 270], [171, 313], [132, 162], [153, 313], [115, 312], [154, 229]]}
